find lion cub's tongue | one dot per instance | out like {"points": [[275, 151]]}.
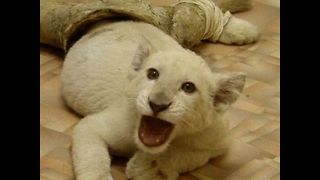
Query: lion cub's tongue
{"points": [[154, 131]]}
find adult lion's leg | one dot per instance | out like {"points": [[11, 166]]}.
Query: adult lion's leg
{"points": [[239, 31], [234, 5]]}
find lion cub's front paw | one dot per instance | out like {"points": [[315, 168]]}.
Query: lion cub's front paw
{"points": [[142, 166], [239, 32]]}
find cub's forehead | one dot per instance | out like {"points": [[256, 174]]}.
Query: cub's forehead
{"points": [[178, 60], [185, 66]]}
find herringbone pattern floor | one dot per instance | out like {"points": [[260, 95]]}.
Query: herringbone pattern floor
{"points": [[255, 117]]}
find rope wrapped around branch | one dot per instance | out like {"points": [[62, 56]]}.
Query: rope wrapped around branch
{"points": [[62, 22], [215, 18]]}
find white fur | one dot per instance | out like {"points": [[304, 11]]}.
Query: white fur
{"points": [[239, 31], [234, 5], [104, 79]]}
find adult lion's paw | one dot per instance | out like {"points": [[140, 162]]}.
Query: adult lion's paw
{"points": [[142, 166], [239, 32]]}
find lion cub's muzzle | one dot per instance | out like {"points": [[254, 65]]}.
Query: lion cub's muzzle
{"points": [[156, 108], [154, 131]]}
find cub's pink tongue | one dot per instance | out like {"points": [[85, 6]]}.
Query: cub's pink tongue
{"points": [[154, 131]]}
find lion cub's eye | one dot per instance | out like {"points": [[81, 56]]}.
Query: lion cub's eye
{"points": [[152, 74], [188, 87]]}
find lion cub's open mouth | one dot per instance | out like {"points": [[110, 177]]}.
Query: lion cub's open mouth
{"points": [[154, 131]]}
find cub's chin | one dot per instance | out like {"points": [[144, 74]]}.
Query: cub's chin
{"points": [[153, 135]]}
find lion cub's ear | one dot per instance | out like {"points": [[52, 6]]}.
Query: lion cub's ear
{"points": [[228, 90], [142, 52]]}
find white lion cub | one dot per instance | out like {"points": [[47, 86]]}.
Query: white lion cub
{"points": [[145, 97]]}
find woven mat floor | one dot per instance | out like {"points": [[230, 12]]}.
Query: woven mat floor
{"points": [[254, 118]]}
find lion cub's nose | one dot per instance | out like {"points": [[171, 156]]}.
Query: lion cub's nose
{"points": [[156, 108]]}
